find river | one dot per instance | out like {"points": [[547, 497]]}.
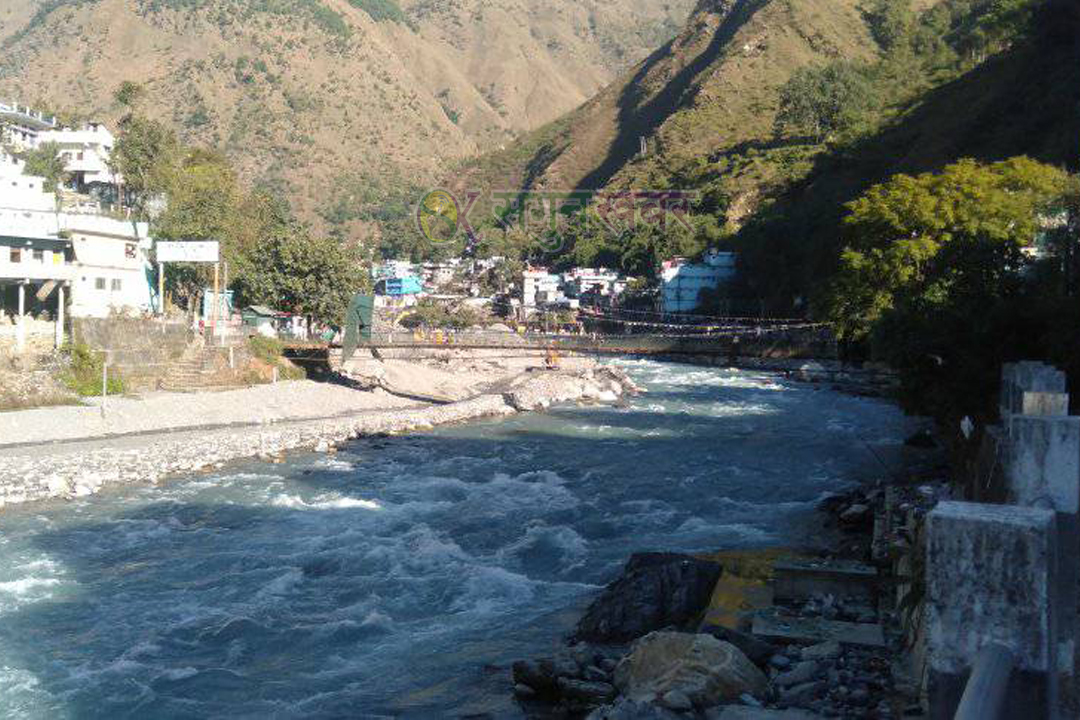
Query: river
{"points": [[400, 576]]}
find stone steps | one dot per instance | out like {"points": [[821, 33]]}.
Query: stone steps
{"points": [[799, 579], [774, 626]]}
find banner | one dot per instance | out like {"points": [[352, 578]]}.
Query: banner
{"points": [[206, 251]]}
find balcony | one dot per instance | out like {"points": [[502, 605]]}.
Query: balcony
{"points": [[24, 116]]}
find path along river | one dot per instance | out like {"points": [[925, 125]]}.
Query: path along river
{"points": [[401, 575]]}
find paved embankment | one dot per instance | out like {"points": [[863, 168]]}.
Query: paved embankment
{"points": [[152, 438], [161, 411]]}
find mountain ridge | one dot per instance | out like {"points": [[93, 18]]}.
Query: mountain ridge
{"points": [[311, 95]]}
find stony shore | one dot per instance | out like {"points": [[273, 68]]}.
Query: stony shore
{"points": [[87, 463], [754, 635]]}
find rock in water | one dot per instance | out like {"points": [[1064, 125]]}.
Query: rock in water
{"points": [[759, 651], [656, 590], [624, 709], [585, 693], [539, 676], [706, 670]]}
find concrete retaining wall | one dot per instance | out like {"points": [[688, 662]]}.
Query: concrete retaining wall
{"points": [[141, 349]]}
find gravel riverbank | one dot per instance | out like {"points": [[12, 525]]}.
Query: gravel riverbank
{"points": [[76, 451]]}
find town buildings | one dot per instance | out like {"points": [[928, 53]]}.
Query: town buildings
{"points": [[54, 263], [681, 281], [20, 127], [539, 287], [86, 151]]}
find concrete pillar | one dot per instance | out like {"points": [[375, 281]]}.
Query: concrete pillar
{"points": [[59, 340], [990, 578], [20, 325], [1032, 388], [1041, 465]]}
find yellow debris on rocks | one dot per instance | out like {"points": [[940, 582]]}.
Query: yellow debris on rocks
{"points": [[743, 587]]}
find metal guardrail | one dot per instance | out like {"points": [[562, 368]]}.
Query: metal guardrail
{"points": [[986, 689]]}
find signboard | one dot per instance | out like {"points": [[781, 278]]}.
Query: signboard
{"points": [[206, 251]]}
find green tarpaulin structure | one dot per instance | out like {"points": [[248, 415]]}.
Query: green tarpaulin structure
{"points": [[359, 319]]}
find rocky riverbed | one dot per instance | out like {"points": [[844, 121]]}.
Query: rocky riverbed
{"points": [[43, 471], [830, 643]]}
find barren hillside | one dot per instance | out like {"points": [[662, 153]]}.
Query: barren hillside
{"points": [[308, 95]]}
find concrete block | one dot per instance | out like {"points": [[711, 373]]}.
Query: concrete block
{"points": [[1042, 461], [1043, 403], [773, 626], [1042, 468], [798, 579], [1036, 378], [991, 577]]}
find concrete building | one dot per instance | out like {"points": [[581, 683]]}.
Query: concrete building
{"points": [[35, 262], [55, 262], [394, 269], [21, 127], [113, 271], [594, 283], [681, 282], [86, 152], [439, 274], [540, 286]]}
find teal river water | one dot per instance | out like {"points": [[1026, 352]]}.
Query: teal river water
{"points": [[401, 575]]}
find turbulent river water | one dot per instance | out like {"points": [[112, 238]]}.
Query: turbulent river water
{"points": [[401, 575]]}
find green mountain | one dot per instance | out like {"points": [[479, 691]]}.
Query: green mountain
{"points": [[724, 108]]}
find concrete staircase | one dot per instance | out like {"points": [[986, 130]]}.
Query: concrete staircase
{"points": [[198, 368]]}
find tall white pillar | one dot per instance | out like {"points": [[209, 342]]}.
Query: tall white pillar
{"points": [[59, 315], [20, 327]]}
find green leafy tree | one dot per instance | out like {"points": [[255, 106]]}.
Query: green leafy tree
{"points": [[290, 269], [827, 101], [128, 94], [890, 22], [937, 236], [45, 161], [203, 198], [146, 154]]}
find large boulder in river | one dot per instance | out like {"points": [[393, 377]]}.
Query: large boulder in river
{"points": [[699, 667], [656, 590]]}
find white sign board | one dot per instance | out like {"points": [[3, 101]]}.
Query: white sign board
{"points": [[206, 251]]}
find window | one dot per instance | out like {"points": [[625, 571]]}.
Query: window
{"points": [[116, 285], [99, 283], [39, 256], [16, 255]]}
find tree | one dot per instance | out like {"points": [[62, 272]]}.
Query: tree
{"points": [[45, 161], [203, 198], [146, 154], [939, 236], [291, 270], [826, 101], [890, 22], [129, 93]]}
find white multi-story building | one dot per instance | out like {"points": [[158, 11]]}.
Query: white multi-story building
{"points": [[86, 151], [681, 282], [21, 127], [600, 281], [48, 257], [394, 269], [540, 286]]}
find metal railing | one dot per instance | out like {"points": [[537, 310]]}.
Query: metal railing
{"points": [[986, 689]]}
